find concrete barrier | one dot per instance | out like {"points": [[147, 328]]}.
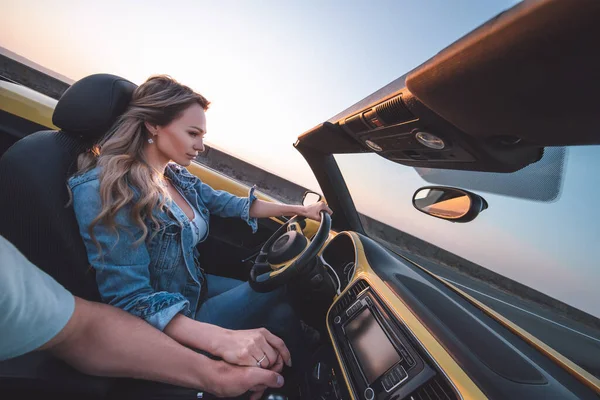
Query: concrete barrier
{"points": [[32, 75], [273, 185]]}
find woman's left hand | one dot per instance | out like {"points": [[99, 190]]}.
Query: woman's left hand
{"points": [[314, 210]]}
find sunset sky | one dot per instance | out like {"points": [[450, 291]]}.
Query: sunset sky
{"points": [[274, 69]]}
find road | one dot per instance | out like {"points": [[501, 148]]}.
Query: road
{"points": [[574, 340]]}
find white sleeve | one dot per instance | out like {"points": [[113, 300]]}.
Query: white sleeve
{"points": [[33, 306]]}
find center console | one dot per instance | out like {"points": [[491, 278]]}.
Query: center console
{"points": [[378, 356]]}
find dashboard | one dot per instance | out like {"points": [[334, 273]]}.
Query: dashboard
{"points": [[399, 333], [379, 357], [375, 350]]}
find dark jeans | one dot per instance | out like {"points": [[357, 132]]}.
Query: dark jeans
{"points": [[232, 304]]}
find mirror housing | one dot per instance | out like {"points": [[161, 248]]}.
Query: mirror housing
{"points": [[310, 197], [451, 204]]}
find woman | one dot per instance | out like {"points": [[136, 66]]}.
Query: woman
{"points": [[141, 216]]}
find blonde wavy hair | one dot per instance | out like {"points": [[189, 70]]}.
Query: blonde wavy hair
{"points": [[120, 154]]}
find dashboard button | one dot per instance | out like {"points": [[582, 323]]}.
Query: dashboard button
{"points": [[337, 319], [387, 385], [369, 394], [400, 372], [387, 382], [353, 309], [407, 357], [391, 380]]}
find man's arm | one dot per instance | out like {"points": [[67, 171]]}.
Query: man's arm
{"points": [[38, 313], [103, 340]]}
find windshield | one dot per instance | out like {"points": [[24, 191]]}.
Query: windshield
{"points": [[540, 230]]}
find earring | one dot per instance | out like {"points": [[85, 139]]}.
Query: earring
{"points": [[150, 140]]}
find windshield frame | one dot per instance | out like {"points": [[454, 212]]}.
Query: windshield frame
{"points": [[334, 188]]}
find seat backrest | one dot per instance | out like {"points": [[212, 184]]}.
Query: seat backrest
{"points": [[33, 176], [33, 216]]}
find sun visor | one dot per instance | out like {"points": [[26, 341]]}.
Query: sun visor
{"points": [[530, 74]]}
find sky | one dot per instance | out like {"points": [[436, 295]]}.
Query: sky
{"points": [[274, 69]]}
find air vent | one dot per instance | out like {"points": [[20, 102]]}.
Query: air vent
{"points": [[394, 111], [358, 287], [346, 300], [434, 389], [350, 296], [355, 124]]}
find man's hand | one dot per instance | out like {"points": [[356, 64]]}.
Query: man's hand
{"points": [[247, 347], [231, 380], [314, 210]]}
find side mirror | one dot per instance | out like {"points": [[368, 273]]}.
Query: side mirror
{"points": [[455, 205], [310, 197]]}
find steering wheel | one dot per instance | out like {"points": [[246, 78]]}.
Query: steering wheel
{"points": [[287, 253]]}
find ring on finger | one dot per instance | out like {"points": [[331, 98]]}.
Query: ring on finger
{"points": [[258, 362]]}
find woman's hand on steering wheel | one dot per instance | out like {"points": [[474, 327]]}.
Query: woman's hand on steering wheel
{"points": [[254, 348], [314, 211]]}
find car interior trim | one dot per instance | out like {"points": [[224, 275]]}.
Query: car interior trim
{"points": [[26, 103], [578, 372], [455, 375]]}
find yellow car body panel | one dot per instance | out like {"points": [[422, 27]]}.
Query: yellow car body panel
{"points": [[27, 104]]}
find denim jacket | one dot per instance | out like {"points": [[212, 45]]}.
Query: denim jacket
{"points": [[161, 277]]}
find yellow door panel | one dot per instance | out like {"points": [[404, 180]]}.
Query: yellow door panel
{"points": [[27, 104]]}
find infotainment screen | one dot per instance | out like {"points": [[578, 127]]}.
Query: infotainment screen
{"points": [[374, 351]]}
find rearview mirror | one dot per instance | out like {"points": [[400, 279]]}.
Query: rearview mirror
{"points": [[455, 205], [310, 197]]}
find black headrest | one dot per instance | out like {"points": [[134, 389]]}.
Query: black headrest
{"points": [[92, 104]]}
